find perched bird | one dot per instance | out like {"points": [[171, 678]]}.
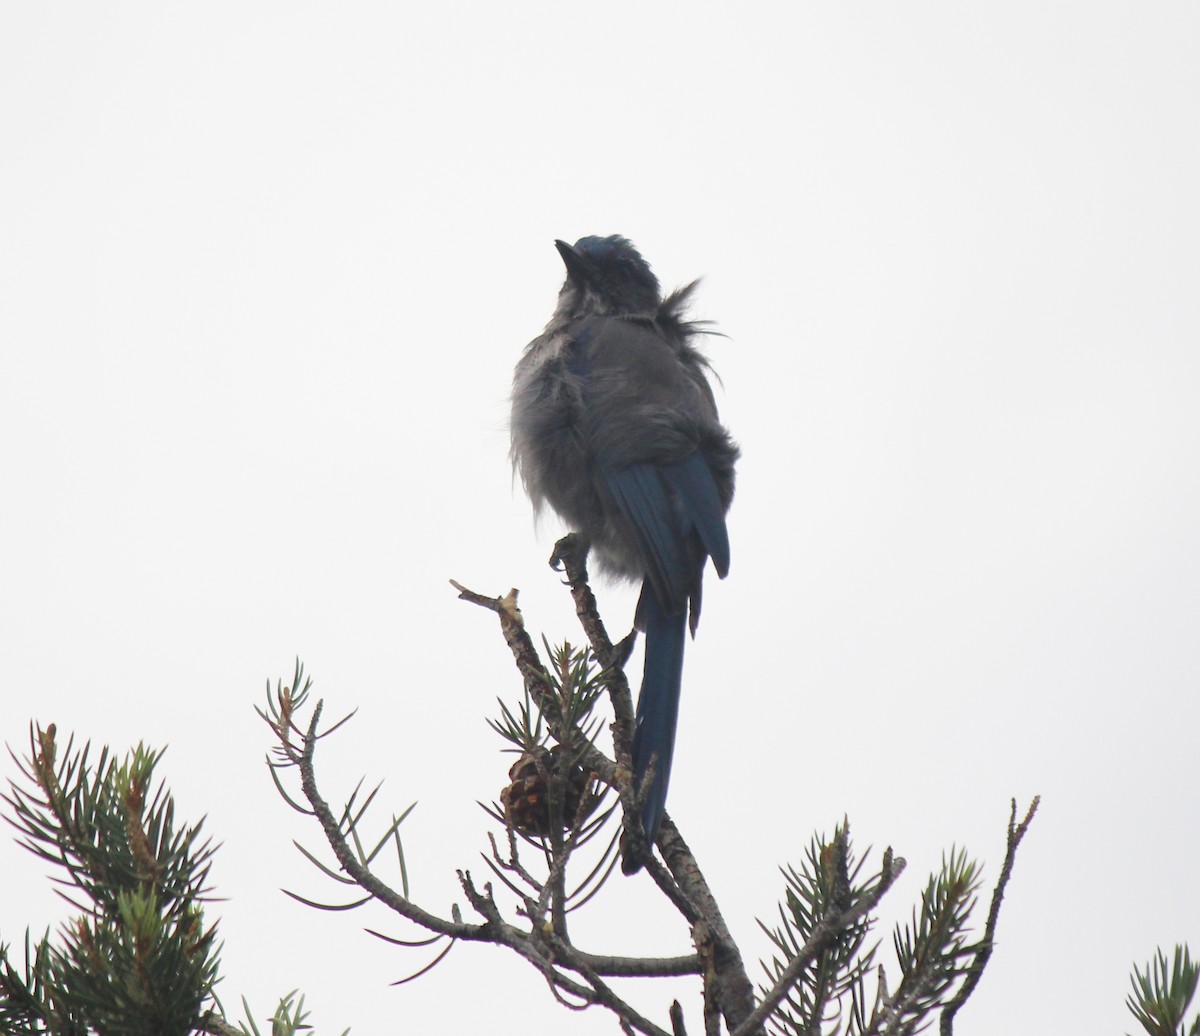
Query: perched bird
{"points": [[614, 426]]}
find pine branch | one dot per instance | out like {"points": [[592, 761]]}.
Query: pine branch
{"points": [[1163, 992], [562, 700], [827, 908], [138, 959], [826, 883], [929, 950], [681, 880]]}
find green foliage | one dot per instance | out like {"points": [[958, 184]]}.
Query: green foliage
{"points": [[26, 1003], [828, 881], [829, 997], [1162, 993], [137, 960], [573, 688], [289, 1018], [933, 952]]}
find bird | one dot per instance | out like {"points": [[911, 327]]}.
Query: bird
{"points": [[614, 425]]}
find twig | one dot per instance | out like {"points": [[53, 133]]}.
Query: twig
{"points": [[213, 1023], [534, 674], [570, 558], [676, 1014], [361, 874], [570, 555], [601, 993], [983, 953]]}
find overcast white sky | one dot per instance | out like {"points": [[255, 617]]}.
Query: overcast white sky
{"points": [[265, 270]]}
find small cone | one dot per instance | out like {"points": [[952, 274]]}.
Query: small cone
{"points": [[526, 800]]}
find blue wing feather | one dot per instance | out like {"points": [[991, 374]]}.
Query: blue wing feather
{"points": [[641, 497], [696, 490]]}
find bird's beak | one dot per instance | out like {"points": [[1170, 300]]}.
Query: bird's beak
{"points": [[579, 267]]}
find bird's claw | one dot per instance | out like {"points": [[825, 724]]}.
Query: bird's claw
{"points": [[566, 550]]}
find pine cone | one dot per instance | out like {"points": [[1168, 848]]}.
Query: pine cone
{"points": [[527, 799]]}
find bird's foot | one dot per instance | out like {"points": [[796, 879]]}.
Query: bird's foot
{"points": [[570, 553]]}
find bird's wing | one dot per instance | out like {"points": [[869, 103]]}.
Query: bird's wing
{"points": [[677, 519], [645, 416], [640, 496], [695, 490]]}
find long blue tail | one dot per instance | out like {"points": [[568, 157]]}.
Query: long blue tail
{"points": [[658, 703], [678, 520]]}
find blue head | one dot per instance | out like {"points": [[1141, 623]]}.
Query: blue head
{"points": [[607, 275]]}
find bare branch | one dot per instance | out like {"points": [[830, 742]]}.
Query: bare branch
{"points": [[983, 952], [692, 896], [601, 993], [677, 1026]]}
